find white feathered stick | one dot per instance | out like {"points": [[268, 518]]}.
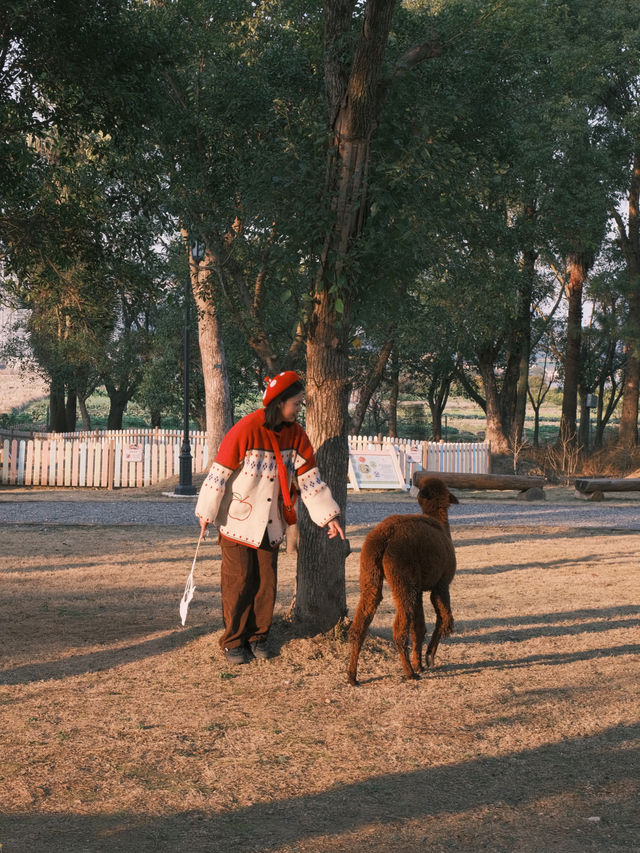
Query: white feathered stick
{"points": [[190, 588]]}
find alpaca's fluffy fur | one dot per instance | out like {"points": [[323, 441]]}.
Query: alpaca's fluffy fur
{"points": [[413, 553]]}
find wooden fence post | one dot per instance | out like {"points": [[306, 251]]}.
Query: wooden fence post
{"points": [[111, 464]]}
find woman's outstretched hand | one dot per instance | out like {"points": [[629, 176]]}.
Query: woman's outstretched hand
{"points": [[334, 529]]}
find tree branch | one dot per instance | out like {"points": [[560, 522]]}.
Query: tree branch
{"points": [[625, 243], [294, 354], [430, 49], [258, 290], [469, 387], [372, 381]]}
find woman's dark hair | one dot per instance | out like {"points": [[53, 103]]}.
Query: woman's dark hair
{"points": [[272, 417]]}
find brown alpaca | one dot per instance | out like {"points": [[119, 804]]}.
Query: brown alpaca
{"points": [[414, 553]]}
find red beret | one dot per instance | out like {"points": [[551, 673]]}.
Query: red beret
{"points": [[278, 384]]}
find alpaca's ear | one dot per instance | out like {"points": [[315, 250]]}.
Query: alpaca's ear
{"points": [[453, 499]]}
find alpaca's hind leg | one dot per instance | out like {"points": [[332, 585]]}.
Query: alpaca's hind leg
{"points": [[444, 621], [418, 630], [405, 609], [365, 611], [434, 641]]}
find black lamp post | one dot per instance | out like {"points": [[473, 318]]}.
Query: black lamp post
{"points": [[185, 486]]}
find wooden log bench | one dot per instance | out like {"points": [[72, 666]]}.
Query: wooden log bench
{"points": [[529, 488], [593, 488]]}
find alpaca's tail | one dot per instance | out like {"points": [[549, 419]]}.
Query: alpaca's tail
{"points": [[371, 570]]}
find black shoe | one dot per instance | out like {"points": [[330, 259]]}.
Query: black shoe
{"points": [[236, 656], [260, 649]]}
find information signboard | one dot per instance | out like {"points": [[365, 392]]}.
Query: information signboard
{"points": [[375, 469]]}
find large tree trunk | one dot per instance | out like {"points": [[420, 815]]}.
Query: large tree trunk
{"points": [[118, 400], [437, 396], [524, 341], [584, 422], [611, 391], [513, 397], [84, 413], [57, 410], [353, 103], [436, 423], [536, 426], [214, 363], [578, 267], [320, 588], [494, 431], [71, 410], [509, 391], [517, 430], [630, 239], [628, 429], [394, 395]]}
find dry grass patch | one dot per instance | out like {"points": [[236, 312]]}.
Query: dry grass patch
{"points": [[123, 731]]}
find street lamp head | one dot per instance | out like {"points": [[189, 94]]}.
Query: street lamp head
{"points": [[197, 251]]}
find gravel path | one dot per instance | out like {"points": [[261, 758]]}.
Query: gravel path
{"points": [[47, 508]]}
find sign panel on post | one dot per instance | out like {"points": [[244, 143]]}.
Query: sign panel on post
{"points": [[133, 453], [414, 453], [375, 469]]}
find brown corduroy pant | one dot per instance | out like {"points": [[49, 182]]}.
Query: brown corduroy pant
{"points": [[248, 581]]}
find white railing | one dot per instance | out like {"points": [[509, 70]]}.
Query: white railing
{"points": [[100, 459]]}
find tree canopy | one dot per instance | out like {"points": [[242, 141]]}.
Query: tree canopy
{"points": [[384, 189]]}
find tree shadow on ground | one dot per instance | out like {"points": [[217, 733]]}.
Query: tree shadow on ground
{"points": [[537, 564], [516, 535], [522, 628], [97, 661], [576, 795], [182, 557]]}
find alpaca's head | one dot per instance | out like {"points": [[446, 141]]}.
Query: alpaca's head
{"points": [[435, 499]]}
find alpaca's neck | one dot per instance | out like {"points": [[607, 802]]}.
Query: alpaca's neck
{"points": [[442, 516]]}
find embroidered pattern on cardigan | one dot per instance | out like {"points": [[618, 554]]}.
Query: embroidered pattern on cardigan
{"points": [[310, 483], [240, 508], [217, 478]]}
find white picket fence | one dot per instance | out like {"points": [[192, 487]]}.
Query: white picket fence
{"points": [[135, 458], [99, 459]]}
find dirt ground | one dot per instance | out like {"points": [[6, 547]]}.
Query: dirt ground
{"points": [[18, 389], [123, 731]]}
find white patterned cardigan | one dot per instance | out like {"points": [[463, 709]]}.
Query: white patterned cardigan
{"points": [[241, 494]]}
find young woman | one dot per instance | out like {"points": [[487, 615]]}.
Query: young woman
{"points": [[242, 496]]}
